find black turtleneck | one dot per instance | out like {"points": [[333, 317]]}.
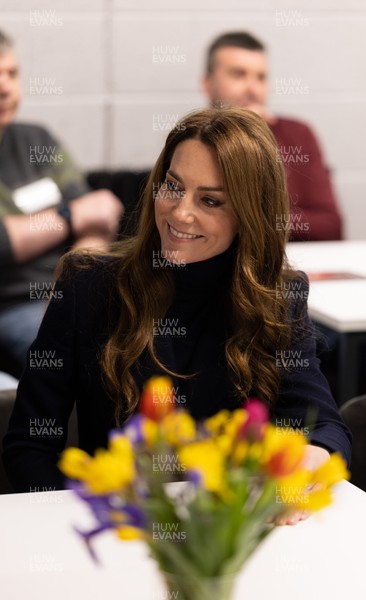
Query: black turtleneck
{"points": [[192, 335], [64, 367]]}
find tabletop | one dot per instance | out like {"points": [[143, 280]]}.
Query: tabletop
{"points": [[42, 558], [339, 303]]}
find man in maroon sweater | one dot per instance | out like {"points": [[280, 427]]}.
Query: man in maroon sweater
{"points": [[236, 74]]}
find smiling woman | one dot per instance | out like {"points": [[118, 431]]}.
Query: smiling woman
{"points": [[199, 292], [194, 218]]}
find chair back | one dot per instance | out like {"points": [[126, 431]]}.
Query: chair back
{"points": [[353, 413], [7, 399]]}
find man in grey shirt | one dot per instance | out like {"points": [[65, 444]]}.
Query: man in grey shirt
{"points": [[46, 207]]}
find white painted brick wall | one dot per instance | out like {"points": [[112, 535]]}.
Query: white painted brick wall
{"points": [[98, 54]]}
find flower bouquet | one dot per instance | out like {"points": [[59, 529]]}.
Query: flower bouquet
{"points": [[203, 496]]}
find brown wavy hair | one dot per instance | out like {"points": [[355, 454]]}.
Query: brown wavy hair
{"points": [[254, 181]]}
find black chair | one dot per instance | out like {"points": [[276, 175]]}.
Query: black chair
{"points": [[353, 413], [7, 399], [128, 186]]}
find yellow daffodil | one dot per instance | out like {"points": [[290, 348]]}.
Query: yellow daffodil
{"points": [[120, 446], [178, 428], [235, 423], [225, 426], [312, 500], [331, 471], [310, 490], [110, 471], [255, 451], [240, 452], [299, 479], [226, 422], [316, 500], [150, 431], [206, 458], [225, 443], [215, 424], [74, 463], [292, 490]]}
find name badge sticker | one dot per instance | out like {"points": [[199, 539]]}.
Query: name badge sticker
{"points": [[37, 195]]}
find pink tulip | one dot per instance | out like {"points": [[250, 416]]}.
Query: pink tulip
{"points": [[258, 416]]}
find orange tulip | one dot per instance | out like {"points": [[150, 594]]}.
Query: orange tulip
{"points": [[283, 453], [157, 398]]}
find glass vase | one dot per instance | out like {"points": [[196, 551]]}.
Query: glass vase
{"points": [[181, 587]]}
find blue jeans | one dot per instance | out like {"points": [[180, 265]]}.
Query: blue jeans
{"points": [[18, 328]]}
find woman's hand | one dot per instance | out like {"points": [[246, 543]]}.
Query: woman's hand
{"points": [[314, 457]]}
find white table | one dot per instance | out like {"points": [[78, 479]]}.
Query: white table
{"points": [[329, 256], [42, 559], [338, 304]]}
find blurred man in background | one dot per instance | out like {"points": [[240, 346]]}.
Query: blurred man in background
{"points": [[237, 74], [46, 207]]}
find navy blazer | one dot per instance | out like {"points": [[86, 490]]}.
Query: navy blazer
{"points": [[63, 368]]}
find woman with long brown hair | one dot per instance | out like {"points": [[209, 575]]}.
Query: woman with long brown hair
{"points": [[202, 292]]}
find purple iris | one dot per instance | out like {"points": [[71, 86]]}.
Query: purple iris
{"points": [[133, 430], [106, 509], [195, 477]]}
